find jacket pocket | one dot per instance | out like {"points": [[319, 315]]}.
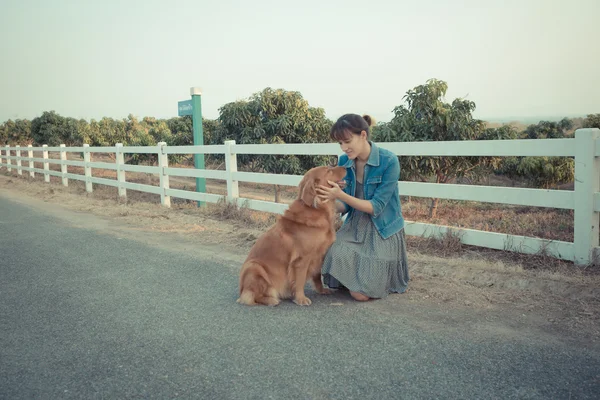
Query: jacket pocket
{"points": [[370, 186]]}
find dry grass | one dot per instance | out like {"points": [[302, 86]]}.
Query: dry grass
{"points": [[241, 214], [451, 246], [447, 245], [550, 224]]}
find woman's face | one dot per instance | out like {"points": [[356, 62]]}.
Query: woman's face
{"points": [[353, 145]]}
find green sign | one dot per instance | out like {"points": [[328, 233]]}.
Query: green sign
{"points": [[184, 108]]}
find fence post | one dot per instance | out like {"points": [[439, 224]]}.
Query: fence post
{"points": [[87, 168], [233, 191], [587, 183], [63, 167], [46, 164], [163, 163], [31, 165], [1, 157], [120, 161], [18, 151], [8, 159]]}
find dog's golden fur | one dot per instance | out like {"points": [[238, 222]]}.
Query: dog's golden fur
{"points": [[292, 250]]}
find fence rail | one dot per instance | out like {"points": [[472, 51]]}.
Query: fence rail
{"points": [[584, 200]]}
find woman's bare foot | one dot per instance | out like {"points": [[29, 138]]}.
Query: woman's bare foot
{"points": [[359, 296]]}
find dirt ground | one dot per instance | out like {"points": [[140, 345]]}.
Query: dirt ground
{"points": [[559, 297]]}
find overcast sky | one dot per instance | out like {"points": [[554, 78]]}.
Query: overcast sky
{"points": [[90, 59]]}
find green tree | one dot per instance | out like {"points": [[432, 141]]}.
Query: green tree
{"points": [[93, 135], [181, 130], [503, 132], [108, 132], [592, 121], [275, 116], [547, 172], [4, 133], [137, 134], [48, 129], [16, 132], [160, 132], [53, 129], [72, 131], [427, 117], [544, 172], [211, 131], [549, 129]]}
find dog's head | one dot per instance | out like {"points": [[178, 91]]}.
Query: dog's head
{"points": [[315, 177]]}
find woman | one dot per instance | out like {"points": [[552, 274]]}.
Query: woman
{"points": [[369, 255]]}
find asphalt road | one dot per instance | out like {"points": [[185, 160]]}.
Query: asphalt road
{"points": [[84, 314]]}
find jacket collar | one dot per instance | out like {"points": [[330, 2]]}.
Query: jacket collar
{"points": [[373, 157]]}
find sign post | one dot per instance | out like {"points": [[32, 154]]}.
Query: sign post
{"points": [[193, 107]]}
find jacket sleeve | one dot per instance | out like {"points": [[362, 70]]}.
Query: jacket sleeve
{"points": [[386, 189], [342, 161]]}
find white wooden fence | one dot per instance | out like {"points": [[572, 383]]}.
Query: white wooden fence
{"points": [[584, 200]]}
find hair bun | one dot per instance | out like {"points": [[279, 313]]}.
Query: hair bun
{"points": [[368, 119]]}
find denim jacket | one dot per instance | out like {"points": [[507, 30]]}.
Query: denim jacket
{"points": [[380, 183]]}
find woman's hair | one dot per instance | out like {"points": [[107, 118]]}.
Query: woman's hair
{"points": [[350, 124]]}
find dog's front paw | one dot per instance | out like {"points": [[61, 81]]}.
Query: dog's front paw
{"points": [[325, 291], [302, 301]]}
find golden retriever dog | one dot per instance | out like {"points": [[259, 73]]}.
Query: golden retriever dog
{"points": [[292, 250]]}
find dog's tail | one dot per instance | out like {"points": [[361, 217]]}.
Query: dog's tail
{"points": [[254, 284]]}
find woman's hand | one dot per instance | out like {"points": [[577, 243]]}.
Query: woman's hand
{"points": [[326, 193]]}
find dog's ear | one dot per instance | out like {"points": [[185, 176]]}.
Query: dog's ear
{"points": [[307, 192]]}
